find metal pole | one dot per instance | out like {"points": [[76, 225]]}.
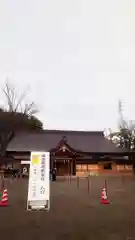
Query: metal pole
{"points": [[2, 183], [106, 185], [77, 182], [70, 171], [88, 178]]}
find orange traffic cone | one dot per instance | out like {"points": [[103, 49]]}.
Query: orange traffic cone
{"points": [[104, 199], [4, 200]]}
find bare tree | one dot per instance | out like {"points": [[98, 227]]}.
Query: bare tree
{"points": [[16, 102], [19, 115]]}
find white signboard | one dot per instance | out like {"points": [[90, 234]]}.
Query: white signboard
{"points": [[39, 183], [25, 162]]}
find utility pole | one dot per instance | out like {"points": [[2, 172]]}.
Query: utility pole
{"points": [[120, 110]]}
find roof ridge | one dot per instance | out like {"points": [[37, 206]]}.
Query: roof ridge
{"points": [[61, 131]]}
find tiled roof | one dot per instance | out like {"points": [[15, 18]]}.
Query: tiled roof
{"points": [[80, 141]]}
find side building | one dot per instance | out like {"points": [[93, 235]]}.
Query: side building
{"points": [[72, 152]]}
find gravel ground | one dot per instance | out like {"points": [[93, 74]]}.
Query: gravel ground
{"points": [[75, 211]]}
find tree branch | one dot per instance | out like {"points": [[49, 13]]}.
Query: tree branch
{"points": [[15, 103]]}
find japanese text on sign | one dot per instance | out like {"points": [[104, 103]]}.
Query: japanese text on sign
{"points": [[42, 190], [34, 183], [43, 167]]}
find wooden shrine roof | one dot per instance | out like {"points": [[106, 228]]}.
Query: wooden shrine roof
{"points": [[79, 141]]}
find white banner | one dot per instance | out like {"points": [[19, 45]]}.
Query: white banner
{"points": [[39, 183], [25, 162]]}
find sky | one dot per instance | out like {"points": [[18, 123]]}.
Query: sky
{"points": [[75, 57]]}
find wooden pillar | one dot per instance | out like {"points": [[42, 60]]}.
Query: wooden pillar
{"points": [[53, 162], [74, 166], [69, 167]]}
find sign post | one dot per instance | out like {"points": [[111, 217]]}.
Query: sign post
{"points": [[39, 182]]}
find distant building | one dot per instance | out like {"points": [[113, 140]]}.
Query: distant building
{"points": [[72, 152]]}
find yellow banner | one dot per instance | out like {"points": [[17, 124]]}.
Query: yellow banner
{"points": [[36, 159]]}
